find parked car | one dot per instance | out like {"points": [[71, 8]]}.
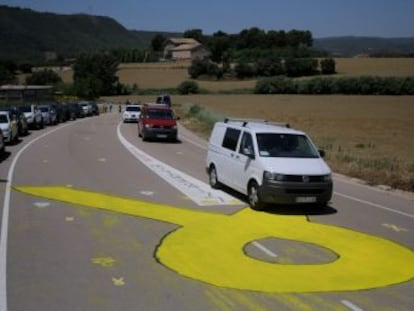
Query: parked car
{"points": [[86, 108], [2, 144], [49, 114], [61, 112], [22, 125], [269, 163], [131, 113], [75, 110], [33, 115], [8, 126], [95, 109], [157, 122]]}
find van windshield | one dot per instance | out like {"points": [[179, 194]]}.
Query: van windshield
{"points": [[285, 146]]}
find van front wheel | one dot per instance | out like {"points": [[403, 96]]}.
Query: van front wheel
{"points": [[213, 178], [253, 196]]}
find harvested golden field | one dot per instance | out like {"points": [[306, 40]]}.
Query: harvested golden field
{"points": [[369, 137], [169, 75], [375, 66]]}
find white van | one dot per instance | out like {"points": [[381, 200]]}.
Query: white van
{"points": [[268, 162]]}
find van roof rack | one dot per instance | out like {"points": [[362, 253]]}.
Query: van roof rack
{"points": [[246, 121]]}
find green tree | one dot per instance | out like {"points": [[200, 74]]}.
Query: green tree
{"points": [[95, 75], [188, 87], [7, 76], [196, 34], [219, 45], [157, 42], [328, 66], [43, 77]]}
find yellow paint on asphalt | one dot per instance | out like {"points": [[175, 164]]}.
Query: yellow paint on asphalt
{"points": [[104, 261], [395, 228], [209, 247], [118, 281]]}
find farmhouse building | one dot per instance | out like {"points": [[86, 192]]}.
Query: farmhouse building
{"points": [[184, 49]]}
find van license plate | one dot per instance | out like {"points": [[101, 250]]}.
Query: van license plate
{"points": [[161, 136], [305, 199]]}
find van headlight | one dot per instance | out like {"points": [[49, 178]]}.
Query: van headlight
{"points": [[273, 176], [327, 178]]}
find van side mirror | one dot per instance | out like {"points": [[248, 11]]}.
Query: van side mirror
{"points": [[248, 152], [321, 153]]}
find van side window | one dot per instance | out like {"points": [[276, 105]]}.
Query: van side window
{"points": [[230, 138], [246, 145]]}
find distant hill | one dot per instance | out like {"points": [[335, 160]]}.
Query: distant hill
{"points": [[28, 35], [351, 46]]}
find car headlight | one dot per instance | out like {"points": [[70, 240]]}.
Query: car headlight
{"points": [[273, 176]]}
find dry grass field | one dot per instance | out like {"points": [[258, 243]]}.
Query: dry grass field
{"points": [[368, 137]]}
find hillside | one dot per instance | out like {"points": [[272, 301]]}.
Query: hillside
{"points": [[27, 35]]}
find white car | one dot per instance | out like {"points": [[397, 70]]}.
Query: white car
{"points": [[8, 126], [33, 115], [270, 163], [131, 113], [86, 108]]}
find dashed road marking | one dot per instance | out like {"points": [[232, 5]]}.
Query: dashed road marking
{"points": [[41, 204], [351, 306]]}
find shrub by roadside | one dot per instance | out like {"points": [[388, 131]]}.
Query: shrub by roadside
{"points": [[364, 85]]}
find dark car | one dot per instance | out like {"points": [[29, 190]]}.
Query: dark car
{"points": [[61, 114], [164, 99], [73, 110], [95, 108]]}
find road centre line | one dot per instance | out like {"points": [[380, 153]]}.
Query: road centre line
{"points": [[5, 217], [374, 205], [264, 249], [199, 192], [351, 306]]}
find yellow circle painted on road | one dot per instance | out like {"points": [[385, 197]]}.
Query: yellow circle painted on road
{"points": [[209, 247]]}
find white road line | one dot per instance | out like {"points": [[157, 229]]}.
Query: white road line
{"points": [[264, 249], [199, 192], [5, 219], [374, 204], [351, 306]]}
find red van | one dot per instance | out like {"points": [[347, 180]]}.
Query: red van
{"points": [[157, 122]]}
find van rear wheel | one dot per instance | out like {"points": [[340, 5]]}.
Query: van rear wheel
{"points": [[253, 196], [213, 178]]}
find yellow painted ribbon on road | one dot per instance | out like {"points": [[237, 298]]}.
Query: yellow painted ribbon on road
{"points": [[209, 247]]}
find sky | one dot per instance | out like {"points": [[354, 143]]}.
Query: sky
{"points": [[324, 18]]}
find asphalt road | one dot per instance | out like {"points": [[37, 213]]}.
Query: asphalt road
{"points": [[95, 219]]}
